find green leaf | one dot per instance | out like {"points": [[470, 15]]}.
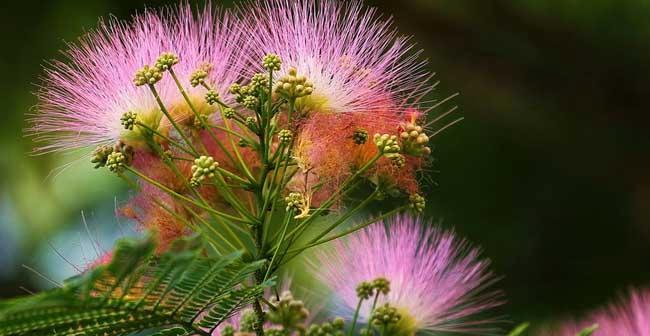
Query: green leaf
{"points": [[519, 330], [588, 331], [181, 292]]}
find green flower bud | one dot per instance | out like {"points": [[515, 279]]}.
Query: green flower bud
{"points": [[288, 312], [100, 155], [259, 81], [234, 88], [249, 102], [285, 136], [166, 60], [271, 62], [338, 323], [147, 75], [381, 285], [414, 140], [128, 120], [293, 86], [251, 123], [198, 77], [116, 162], [398, 160], [203, 167], [360, 136], [212, 97], [417, 202], [365, 290], [385, 315], [387, 144], [228, 113], [200, 121], [295, 201]]}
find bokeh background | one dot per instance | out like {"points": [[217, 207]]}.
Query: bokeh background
{"points": [[549, 172]]}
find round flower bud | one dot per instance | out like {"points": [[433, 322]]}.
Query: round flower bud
{"points": [[147, 75], [381, 285], [385, 315], [249, 102], [228, 113], [198, 77], [387, 144], [417, 202], [128, 120], [365, 290], [398, 160], [234, 88], [295, 201], [212, 97], [203, 167], [100, 155], [271, 62], [285, 136], [116, 162], [360, 136], [166, 60]]}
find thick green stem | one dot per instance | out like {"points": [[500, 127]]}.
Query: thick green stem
{"points": [[171, 119], [355, 317]]}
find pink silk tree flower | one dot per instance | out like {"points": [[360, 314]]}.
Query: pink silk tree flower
{"points": [[628, 317], [352, 55], [83, 98], [437, 281]]}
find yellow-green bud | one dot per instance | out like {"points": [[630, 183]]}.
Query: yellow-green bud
{"points": [[166, 60], [295, 201], [365, 290], [387, 144], [228, 113], [212, 97], [116, 162], [250, 102], [198, 77], [100, 155], [128, 120], [398, 160], [417, 202], [271, 62], [234, 88], [414, 140], [259, 81], [385, 315], [285, 136], [360, 136], [293, 86], [147, 75], [381, 285], [204, 166], [288, 312]]}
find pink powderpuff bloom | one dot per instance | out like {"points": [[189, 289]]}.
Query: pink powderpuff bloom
{"points": [[355, 59], [83, 98], [437, 281], [631, 317]]}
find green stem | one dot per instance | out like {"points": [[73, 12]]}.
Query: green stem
{"points": [[171, 120], [287, 220], [166, 138], [355, 317]]}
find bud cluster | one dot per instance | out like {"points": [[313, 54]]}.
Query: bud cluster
{"points": [[385, 315], [203, 167], [386, 143], [285, 136], [272, 62], [414, 140], [212, 97], [293, 86], [334, 328], [198, 77], [417, 202], [129, 120], [360, 136], [147, 75], [166, 60], [289, 313], [295, 201]]}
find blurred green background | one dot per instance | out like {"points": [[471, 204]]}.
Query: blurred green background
{"points": [[549, 171]]}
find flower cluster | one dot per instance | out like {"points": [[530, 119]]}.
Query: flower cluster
{"points": [[253, 129]]}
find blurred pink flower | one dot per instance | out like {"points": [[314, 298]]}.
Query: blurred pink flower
{"points": [[436, 279], [630, 317]]}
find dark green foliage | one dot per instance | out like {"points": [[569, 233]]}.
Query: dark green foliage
{"points": [[181, 292]]}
